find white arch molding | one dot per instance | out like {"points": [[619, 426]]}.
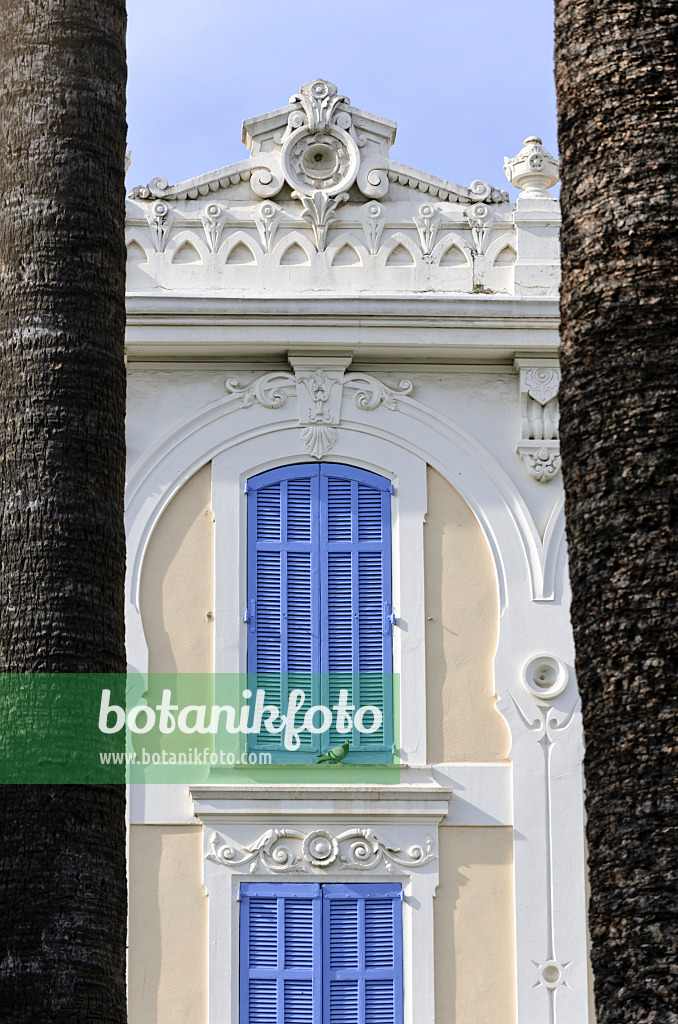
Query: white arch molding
{"points": [[456, 455], [550, 906]]}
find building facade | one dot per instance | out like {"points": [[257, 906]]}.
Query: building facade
{"points": [[344, 468]]}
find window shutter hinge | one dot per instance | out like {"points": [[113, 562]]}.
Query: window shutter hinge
{"points": [[391, 489], [250, 616], [246, 487], [237, 896]]}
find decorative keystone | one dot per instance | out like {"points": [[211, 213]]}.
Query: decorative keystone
{"points": [[534, 170]]}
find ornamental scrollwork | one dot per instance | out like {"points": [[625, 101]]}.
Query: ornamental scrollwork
{"points": [[279, 850], [267, 390], [319, 394], [539, 447], [371, 393], [542, 463]]}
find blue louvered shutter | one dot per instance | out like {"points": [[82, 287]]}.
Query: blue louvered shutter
{"points": [[280, 954], [283, 650], [362, 954], [355, 579]]}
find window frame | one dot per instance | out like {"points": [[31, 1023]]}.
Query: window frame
{"points": [[407, 472]]}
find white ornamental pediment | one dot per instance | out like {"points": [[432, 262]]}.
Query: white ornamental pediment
{"points": [[319, 391], [320, 146]]}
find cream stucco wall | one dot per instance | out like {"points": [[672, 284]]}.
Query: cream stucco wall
{"points": [[167, 926], [462, 618], [177, 583], [474, 948], [177, 594]]}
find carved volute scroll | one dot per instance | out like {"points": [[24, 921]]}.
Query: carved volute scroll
{"points": [[319, 384]]}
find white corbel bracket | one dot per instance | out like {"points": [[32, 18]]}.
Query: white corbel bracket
{"points": [[539, 446]]}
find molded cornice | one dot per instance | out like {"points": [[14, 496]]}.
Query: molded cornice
{"points": [[421, 328]]}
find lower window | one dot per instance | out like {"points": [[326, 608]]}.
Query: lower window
{"points": [[321, 954]]}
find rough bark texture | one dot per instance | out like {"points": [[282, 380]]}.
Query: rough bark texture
{"points": [[617, 84], [62, 266]]}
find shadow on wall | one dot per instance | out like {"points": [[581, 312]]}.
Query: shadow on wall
{"points": [[462, 615], [177, 582], [168, 926], [474, 925]]}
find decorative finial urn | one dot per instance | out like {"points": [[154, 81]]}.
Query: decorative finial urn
{"points": [[533, 170]]}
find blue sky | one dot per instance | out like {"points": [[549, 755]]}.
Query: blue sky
{"points": [[466, 80]]}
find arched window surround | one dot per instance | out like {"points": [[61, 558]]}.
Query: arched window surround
{"points": [[230, 471]]}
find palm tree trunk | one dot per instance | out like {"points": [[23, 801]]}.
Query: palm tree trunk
{"points": [[62, 379], [617, 85]]}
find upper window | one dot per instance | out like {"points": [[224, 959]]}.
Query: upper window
{"points": [[319, 603], [320, 954]]}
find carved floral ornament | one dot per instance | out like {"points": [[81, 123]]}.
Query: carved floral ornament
{"points": [[319, 394], [287, 849]]}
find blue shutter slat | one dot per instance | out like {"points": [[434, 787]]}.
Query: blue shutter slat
{"points": [[369, 515], [298, 933], [356, 569], [342, 1002], [340, 612], [263, 1001], [379, 933], [299, 510], [343, 926], [263, 930], [299, 612], [370, 611], [268, 513], [338, 509], [298, 1002], [283, 575], [268, 621], [379, 1001], [280, 954], [362, 954]]}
